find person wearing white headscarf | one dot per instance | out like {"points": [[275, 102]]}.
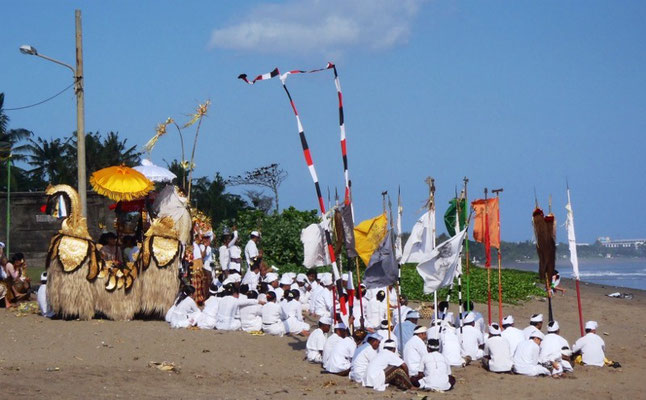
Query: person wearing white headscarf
{"points": [[362, 357], [451, 345], [526, 356], [228, 310], [323, 303], [316, 341], [273, 317], [339, 360], [387, 368], [337, 335], [472, 340], [591, 346], [437, 370], [513, 335], [497, 352], [207, 317], [552, 349], [535, 325], [293, 310], [376, 310], [251, 314], [414, 352]]}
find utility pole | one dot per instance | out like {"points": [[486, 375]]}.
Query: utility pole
{"points": [[80, 115]]}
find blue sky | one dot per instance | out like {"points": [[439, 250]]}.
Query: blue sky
{"points": [[512, 94]]}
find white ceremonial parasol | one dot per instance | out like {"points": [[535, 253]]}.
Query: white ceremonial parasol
{"points": [[154, 172]]}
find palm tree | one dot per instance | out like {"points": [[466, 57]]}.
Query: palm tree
{"points": [[11, 149], [51, 161]]}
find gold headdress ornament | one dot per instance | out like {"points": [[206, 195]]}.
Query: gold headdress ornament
{"points": [[159, 132], [201, 111]]}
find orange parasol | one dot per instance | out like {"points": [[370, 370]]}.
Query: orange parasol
{"points": [[120, 183]]}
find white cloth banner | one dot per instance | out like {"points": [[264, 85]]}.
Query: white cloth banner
{"points": [[398, 239], [422, 239], [443, 265], [571, 238], [315, 253]]}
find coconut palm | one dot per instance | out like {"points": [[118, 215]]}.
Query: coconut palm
{"points": [[12, 149]]}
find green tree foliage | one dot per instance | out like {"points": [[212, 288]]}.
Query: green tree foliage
{"points": [[50, 161], [281, 233], [209, 196], [12, 148]]}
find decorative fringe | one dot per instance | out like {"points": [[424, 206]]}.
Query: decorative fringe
{"points": [[159, 287], [117, 305], [70, 293]]}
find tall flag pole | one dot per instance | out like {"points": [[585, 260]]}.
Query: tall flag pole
{"points": [[488, 257], [497, 192], [310, 164], [399, 277], [466, 247], [457, 230], [431, 214], [571, 238]]}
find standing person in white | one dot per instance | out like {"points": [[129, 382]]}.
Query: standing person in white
{"points": [[362, 357], [340, 358], [376, 310], [513, 335], [316, 341], [437, 371], [235, 254], [497, 352], [472, 340], [535, 325], [251, 248], [223, 251], [552, 349], [591, 347], [526, 356], [387, 368], [414, 352], [45, 307]]}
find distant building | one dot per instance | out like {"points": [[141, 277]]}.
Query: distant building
{"points": [[621, 243]]}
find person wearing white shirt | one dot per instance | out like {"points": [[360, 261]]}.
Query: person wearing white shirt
{"points": [[339, 360], [535, 325], [228, 309], [376, 310], [235, 254], [404, 310], [316, 341], [43, 304], [472, 340], [330, 342], [323, 302], [362, 357], [552, 349], [184, 311], [273, 318], [251, 314], [223, 251], [437, 371], [252, 276], [479, 319], [451, 345], [513, 335], [414, 352], [591, 346], [251, 248], [294, 311], [387, 368], [526, 356], [497, 352], [207, 317], [384, 332]]}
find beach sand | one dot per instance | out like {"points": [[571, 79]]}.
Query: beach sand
{"points": [[41, 358]]}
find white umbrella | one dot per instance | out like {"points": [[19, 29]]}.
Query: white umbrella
{"points": [[154, 172]]}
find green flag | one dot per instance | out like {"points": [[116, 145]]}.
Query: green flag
{"points": [[449, 216]]}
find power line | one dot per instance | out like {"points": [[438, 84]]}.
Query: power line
{"points": [[40, 102]]}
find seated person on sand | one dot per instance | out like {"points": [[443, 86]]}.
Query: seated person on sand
{"points": [[513, 335], [207, 317], [526, 356], [273, 317], [407, 328], [384, 332], [184, 312], [437, 371], [552, 348], [6, 294], [414, 352], [479, 319], [590, 349], [43, 304], [450, 344], [251, 314], [294, 311], [472, 340], [339, 360], [497, 352], [363, 355], [228, 308], [387, 369], [316, 341], [535, 325], [16, 281]]}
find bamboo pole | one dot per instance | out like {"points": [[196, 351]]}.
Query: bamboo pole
{"points": [[487, 257], [497, 192]]}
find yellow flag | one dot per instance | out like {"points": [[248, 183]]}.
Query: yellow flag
{"points": [[368, 235]]}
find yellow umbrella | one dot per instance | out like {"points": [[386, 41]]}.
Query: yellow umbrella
{"points": [[120, 183]]}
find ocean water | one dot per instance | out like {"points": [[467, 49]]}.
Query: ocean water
{"points": [[629, 273]]}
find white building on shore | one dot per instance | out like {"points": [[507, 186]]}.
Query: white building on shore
{"points": [[621, 243]]}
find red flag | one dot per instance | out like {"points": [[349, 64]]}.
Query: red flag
{"points": [[486, 227]]}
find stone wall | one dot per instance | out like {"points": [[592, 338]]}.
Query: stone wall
{"points": [[31, 229]]}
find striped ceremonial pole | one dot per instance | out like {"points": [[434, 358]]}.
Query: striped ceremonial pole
{"points": [[457, 229], [310, 165]]}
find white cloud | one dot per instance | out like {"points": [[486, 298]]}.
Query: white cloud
{"points": [[320, 26]]}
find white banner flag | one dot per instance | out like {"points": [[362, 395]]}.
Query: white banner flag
{"points": [[421, 240], [571, 238], [315, 253], [443, 265]]}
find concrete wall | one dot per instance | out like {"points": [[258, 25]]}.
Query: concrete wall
{"points": [[31, 230]]}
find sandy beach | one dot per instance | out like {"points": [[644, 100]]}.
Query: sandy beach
{"points": [[49, 359]]}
